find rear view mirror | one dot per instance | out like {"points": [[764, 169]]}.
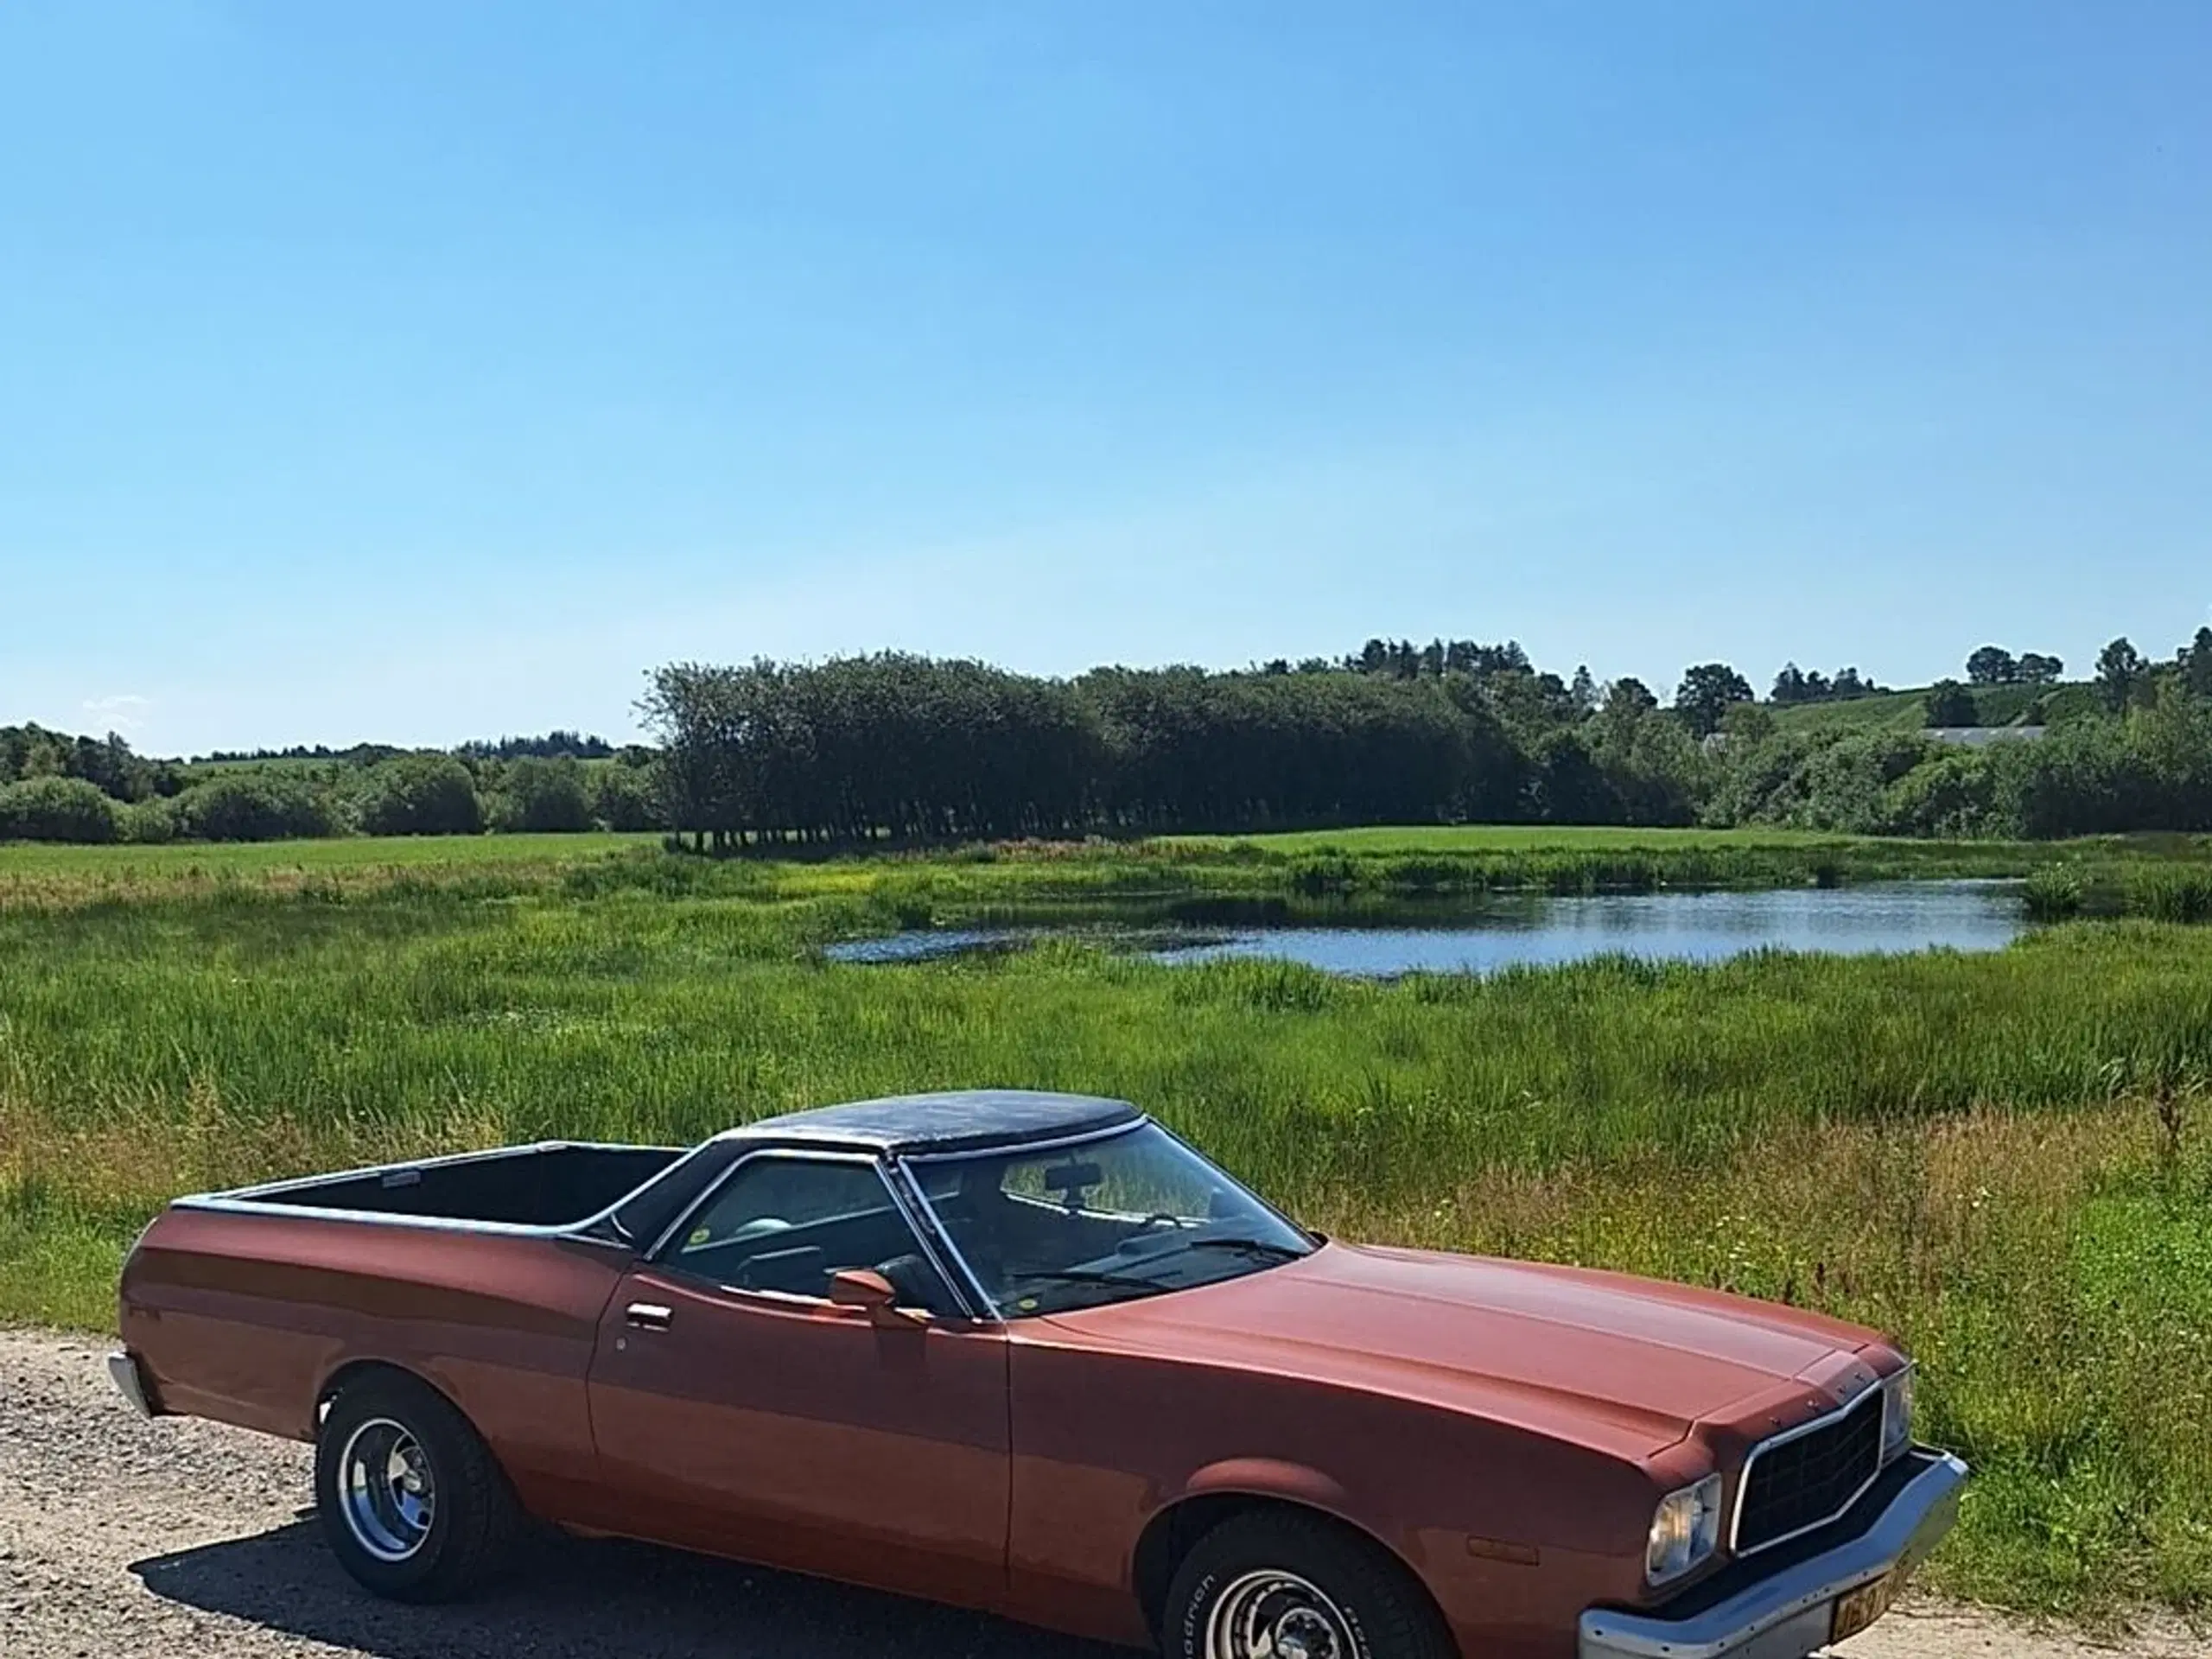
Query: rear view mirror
{"points": [[1073, 1178]]}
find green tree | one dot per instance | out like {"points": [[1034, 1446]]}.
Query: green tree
{"points": [[1849, 683], [1627, 701], [1569, 785], [2196, 663], [1704, 694], [540, 796], [1746, 723], [1949, 704], [421, 795], [1991, 666], [254, 804], [2122, 675], [625, 796]]}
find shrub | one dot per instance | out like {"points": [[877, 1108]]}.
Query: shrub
{"points": [[149, 822], [626, 797], [2053, 893], [540, 796], [1953, 793], [1846, 784], [56, 809], [421, 795], [2170, 892], [254, 806]]}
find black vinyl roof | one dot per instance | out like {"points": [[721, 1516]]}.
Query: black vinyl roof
{"points": [[958, 1120]]}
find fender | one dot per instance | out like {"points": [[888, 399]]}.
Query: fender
{"points": [[1294, 1483]]}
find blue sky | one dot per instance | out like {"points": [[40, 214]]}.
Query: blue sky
{"points": [[419, 371]]}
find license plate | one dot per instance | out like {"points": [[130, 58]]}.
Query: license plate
{"points": [[1856, 1609]]}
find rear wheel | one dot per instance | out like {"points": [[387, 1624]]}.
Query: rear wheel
{"points": [[1280, 1583], [412, 1502]]}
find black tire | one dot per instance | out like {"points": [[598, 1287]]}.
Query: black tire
{"points": [[1372, 1607], [437, 1552]]}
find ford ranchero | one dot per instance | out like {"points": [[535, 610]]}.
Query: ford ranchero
{"points": [[1033, 1354]]}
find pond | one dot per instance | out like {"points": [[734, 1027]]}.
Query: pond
{"points": [[1508, 931]]}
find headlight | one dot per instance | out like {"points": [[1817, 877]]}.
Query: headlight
{"points": [[1897, 1412], [1684, 1531]]}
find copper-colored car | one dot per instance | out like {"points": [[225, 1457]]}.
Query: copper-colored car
{"points": [[1034, 1354]]}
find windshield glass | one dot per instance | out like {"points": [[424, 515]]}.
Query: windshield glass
{"points": [[1134, 1214]]}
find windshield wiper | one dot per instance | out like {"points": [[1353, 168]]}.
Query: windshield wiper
{"points": [[1255, 1246], [1090, 1276]]}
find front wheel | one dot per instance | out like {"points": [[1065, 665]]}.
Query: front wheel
{"points": [[411, 1501], [1280, 1584]]}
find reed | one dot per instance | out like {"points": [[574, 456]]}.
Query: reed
{"points": [[2170, 892]]}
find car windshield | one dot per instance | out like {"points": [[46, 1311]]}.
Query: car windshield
{"points": [[1134, 1214]]}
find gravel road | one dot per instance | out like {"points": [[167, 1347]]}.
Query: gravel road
{"points": [[119, 1537]]}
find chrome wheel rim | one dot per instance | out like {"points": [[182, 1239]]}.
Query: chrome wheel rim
{"points": [[385, 1489], [1271, 1614]]}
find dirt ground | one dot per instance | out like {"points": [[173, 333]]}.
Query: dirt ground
{"points": [[119, 1537]]}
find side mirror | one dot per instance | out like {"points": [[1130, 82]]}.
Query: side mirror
{"points": [[864, 1287]]}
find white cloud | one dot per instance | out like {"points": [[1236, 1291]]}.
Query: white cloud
{"points": [[125, 713]]}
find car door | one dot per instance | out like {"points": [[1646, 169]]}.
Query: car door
{"points": [[735, 1409]]}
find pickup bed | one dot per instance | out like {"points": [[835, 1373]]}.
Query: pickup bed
{"points": [[1032, 1353], [557, 1183]]}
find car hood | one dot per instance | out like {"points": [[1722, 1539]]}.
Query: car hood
{"points": [[1629, 1366]]}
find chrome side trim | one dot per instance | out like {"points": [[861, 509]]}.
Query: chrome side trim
{"points": [[254, 1200], [224, 1204], [442, 1160], [123, 1371], [1253, 1193], [1811, 1426], [936, 1225], [1007, 1148], [944, 1255], [1787, 1615]]}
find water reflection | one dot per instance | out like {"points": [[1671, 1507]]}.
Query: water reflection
{"points": [[1513, 930]]}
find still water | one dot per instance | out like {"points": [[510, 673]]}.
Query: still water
{"points": [[1512, 931]]}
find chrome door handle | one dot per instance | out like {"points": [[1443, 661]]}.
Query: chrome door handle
{"points": [[648, 1316]]}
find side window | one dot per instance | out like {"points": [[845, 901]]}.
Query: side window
{"points": [[787, 1223]]}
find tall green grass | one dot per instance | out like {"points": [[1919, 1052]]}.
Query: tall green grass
{"points": [[2004, 1157], [1377, 864], [2174, 892], [2054, 893]]}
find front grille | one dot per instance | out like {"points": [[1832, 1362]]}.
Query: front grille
{"points": [[1797, 1483]]}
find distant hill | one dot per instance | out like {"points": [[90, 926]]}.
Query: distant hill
{"points": [[1994, 705]]}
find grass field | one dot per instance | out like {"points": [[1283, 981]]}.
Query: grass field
{"points": [[29, 861], [2007, 1159], [1994, 705], [1385, 862]]}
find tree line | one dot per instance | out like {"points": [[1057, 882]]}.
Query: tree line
{"points": [[901, 748], [894, 747], [58, 787]]}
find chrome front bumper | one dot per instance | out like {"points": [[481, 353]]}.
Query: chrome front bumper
{"points": [[130, 1382], [1790, 1613]]}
